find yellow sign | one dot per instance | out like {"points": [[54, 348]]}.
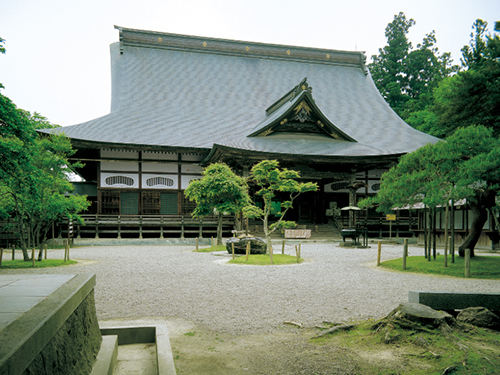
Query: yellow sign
{"points": [[390, 217]]}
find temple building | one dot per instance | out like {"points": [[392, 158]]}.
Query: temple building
{"points": [[182, 102]]}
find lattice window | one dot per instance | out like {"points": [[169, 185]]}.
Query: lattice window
{"points": [[119, 180], [187, 206], [110, 202], [162, 181], [150, 203]]}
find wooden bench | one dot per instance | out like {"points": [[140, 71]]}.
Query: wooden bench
{"points": [[455, 300], [297, 233]]}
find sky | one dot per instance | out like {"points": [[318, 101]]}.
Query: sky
{"points": [[57, 60]]}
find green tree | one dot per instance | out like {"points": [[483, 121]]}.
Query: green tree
{"points": [[467, 166], [405, 77], [219, 191], [472, 96], [271, 180], [34, 176]]}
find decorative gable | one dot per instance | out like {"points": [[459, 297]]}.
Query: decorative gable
{"points": [[297, 112]]}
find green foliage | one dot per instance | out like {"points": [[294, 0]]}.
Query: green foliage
{"points": [[211, 249], [272, 180], [472, 96], [34, 175], [467, 164], [482, 267], [265, 260], [405, 76], [219, 191], [16, 264]]}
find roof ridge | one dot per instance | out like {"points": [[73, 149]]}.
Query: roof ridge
{"points": [[163, 40]]}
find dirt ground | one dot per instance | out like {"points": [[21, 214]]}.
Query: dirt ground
{"points": [[291, 351], [287, 352]]}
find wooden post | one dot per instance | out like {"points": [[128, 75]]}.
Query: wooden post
{"points": [[452, 225], [300, 250], [446, 253], [379, 251], [283, 247], [248, 250], [405, 253], [45, 251], [446, 238], [467, 262], [297, 253], [13, 252], [232, 248], [271, 254], [196, 243], [67, 252], [434, 234], [1, 256], [33, 256]]}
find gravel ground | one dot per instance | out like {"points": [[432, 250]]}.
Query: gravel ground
{"points": [[334, 284]]}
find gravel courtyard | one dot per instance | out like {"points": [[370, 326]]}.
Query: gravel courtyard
{"points": [[334, 284]]}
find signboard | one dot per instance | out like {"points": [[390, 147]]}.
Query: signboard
{"points": [[390, 217]]}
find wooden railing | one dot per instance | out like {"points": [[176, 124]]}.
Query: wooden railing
{"points": [[138, 226]]}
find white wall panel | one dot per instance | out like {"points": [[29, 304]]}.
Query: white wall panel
{"points": [[163, 181], [120, 166], [160, 167], [130, 180], [191, 168]]}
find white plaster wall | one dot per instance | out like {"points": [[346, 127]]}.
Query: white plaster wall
{"points": [[134, 176], [160, 167], [191, 168], [173, 177], [120, 166]]}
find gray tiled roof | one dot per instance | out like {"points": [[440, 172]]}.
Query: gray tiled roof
{"points": [[180, 93]]}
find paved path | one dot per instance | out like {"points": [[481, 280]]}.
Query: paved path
{"points": [[336, 284]]}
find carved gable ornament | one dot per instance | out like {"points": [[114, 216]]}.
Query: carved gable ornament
{"points": [[297, 112]]}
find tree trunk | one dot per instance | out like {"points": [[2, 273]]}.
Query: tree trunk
{"points": [[219, 229], [484, 200]]}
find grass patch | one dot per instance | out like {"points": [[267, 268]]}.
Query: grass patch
{"points": [[408, 351], [482, 267], [211, 248], [265, 260], [19, 263]]}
